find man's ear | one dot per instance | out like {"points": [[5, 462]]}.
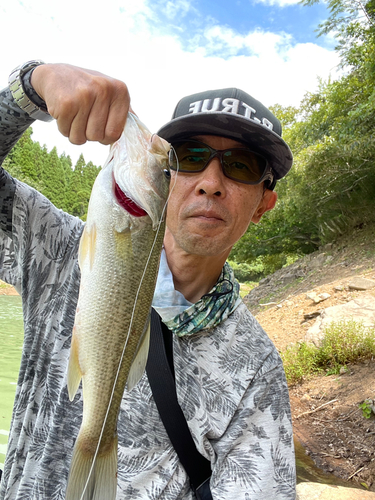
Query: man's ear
{"points": [[267, 203]]}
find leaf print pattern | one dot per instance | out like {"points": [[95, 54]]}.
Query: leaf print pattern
{"points": [[230, 381]]}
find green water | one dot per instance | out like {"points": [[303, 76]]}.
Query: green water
{"points": [[11, 339]]}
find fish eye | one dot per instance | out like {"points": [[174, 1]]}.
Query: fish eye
{"points": [[167, 173]]}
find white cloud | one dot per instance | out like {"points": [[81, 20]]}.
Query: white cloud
{"points": [[279, 3], [160, 63]]}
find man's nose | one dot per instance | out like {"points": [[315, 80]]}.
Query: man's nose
{"points": [[211, 180]]}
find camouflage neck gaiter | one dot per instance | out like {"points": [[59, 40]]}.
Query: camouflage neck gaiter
{"points": [[211, 309]]}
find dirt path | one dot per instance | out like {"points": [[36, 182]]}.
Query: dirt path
{"points": [[326, 414]]}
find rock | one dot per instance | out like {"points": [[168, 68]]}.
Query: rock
{"points": [[321, 297], [317, 298], [289, 277], [265, 280], [312, 315], [361, 284], [339, 288], [317, 491], [327, 247], [318, 261], [360, 309]]}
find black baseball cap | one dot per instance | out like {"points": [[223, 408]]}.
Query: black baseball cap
{"points": [[234, 114]]}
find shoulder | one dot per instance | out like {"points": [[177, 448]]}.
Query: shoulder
{"points": [[239, 342], [237, 354]]}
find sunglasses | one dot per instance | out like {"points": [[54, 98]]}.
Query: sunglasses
{"points": [[238, 164]]}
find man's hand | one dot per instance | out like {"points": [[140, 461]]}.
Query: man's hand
{"points": [[87, 105]]}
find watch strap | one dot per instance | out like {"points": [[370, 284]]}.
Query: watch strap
{"points": [[31, 92], [21, 96]]}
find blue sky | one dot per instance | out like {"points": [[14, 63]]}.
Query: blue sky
{"points": [[290, 18], [165, 50], [276, 16]]}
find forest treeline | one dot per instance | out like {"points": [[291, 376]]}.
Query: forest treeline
{"points": [[68, 187], [331, 187]]}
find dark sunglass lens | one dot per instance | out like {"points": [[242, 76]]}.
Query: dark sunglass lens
{"points": [[243, 165], [192, 157]]}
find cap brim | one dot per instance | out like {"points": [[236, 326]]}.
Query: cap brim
{"points": [[260, 138]]}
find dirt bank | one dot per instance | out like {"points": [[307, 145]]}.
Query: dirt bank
{"points": [[326, 414], [6, 289]]}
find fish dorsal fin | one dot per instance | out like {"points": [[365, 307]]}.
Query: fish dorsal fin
{"points": [[139, 364]]}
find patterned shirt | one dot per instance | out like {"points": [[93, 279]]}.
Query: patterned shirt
{"points": [[230, 380]]}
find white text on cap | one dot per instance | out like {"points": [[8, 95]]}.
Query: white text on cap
{"points": [[230, 105]]}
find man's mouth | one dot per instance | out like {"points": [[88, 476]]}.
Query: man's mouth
{"points": [[207, 215]]}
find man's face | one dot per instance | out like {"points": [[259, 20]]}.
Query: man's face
{"points": [[208, 212]]}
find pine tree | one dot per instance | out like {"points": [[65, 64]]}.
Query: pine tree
{"points": [[54, 179]]}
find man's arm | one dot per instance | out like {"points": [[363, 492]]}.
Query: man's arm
{"points": [[87, 105], [13, 123]]}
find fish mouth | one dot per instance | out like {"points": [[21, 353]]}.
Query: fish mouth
{"points": [[128, 204]]}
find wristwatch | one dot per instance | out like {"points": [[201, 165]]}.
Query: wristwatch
{"points": [[20, 96]]}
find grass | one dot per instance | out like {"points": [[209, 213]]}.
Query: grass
{"points": [[245, 288], [4, 285], [344, 342]]}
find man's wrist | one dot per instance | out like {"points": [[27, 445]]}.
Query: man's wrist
{"points": [[24, 94]]}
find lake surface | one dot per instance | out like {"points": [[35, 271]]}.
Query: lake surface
{"points": [[11, 340]]}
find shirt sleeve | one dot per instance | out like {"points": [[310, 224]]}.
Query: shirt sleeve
{"points": [[13, 123], [32, 230]]}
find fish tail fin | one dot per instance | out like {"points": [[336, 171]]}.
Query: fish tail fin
{"points": [[74, 371], [93, 482]]}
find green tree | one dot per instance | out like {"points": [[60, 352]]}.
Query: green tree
{"points": [[53, 175], [331, 187], [21, 161]]}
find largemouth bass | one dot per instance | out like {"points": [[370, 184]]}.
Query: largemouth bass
{"points": [[119, 257]]}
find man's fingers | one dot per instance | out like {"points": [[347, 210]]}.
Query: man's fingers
{"points": [[87, 105], [77, 132], [106, 123], [116, 120]]}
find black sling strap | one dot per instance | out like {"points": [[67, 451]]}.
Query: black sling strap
{"points": [[160, 374]]}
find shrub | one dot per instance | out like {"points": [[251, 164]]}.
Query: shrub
{"points": [[344, 342]]}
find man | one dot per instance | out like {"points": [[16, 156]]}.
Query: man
{"points": [[229, 377]]}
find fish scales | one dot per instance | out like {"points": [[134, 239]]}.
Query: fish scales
{"points": [[119, 257]]}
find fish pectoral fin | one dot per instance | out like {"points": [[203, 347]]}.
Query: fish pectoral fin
{"points": [[139, 364], [74, 371], [88, 481], [87, 246]]}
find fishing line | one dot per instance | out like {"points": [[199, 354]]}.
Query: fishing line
{"points": [[130, 325]]}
